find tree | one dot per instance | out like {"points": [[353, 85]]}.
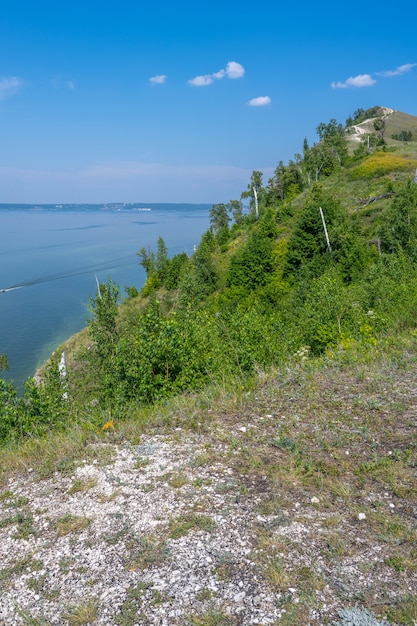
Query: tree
{"points": [[307, 246], [161, 260], [147, 260], [235, 208], [254, 191], [399, 228], [219, 220], [332, 138], [251, 266], [380, 126], [103, 331]]}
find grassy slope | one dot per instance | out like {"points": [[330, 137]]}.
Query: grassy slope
{"points": [[323, 456]]}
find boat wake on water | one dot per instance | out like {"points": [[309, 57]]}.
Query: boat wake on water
{"points": [[92, 269]]}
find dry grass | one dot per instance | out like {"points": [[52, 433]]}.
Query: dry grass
{"points": [[326, 454]]}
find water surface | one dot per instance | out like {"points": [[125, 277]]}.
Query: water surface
{"points": [[56, 252]]}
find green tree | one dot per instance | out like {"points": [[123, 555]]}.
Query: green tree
{"points": [[176, 269], [9, 412], [219, 220], [103, 330], [161, 260], [236, 209], [252, 265], [255, 192], [380, 126], [147, 260], [333, 143], [399, 227], [307, 246]]}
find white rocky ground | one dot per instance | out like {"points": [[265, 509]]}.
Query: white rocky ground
{"points": [[200, 528], [104, 535]]}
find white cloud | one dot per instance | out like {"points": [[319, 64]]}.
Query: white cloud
{"points": [[261, 101], [202, 81], [9, 86], [232, 70], [362, 80], [158, 80], [401, 69]]}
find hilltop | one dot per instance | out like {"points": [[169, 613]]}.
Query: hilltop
{"points": [[234, 444], [395, 122]]}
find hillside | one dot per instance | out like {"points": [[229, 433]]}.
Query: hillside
{"points": [[286, 504], [395, 122], [235, 444]]}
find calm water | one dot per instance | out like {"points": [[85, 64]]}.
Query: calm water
{"points": [[56, 253]]}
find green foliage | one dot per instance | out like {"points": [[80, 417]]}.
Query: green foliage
{"points": [[4, 362], [399, 227], [219, 220], [201, 279], [361, 115], [103, 331], [175, 271], [307, 246], [252, 296], [9, 411], [403, 135], [251, 265], [43, 407]]}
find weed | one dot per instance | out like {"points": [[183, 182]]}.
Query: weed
{"points": [[109, 498], [24, 565], [71, 524], [274, 572], [405, 611], [65, 564], [80, 485], [130, 612], [183, 524], [36, 584], [6, 495], [204, 594], [29, 620], [82, 614], [142, 552], [336, 545], [213, 617], [176, 481], [22, 521], [397, 562]]}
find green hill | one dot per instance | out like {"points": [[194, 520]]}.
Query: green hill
{"points": [[262, 389]]}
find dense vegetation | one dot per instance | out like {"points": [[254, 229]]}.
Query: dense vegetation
{"points": [[321, 256]]}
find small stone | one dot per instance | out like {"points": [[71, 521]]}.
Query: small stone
{"points": [[361, 516], [314, 500], [239, 597]]}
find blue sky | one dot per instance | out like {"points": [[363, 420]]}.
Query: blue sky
{"points": [[135, 101]]}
